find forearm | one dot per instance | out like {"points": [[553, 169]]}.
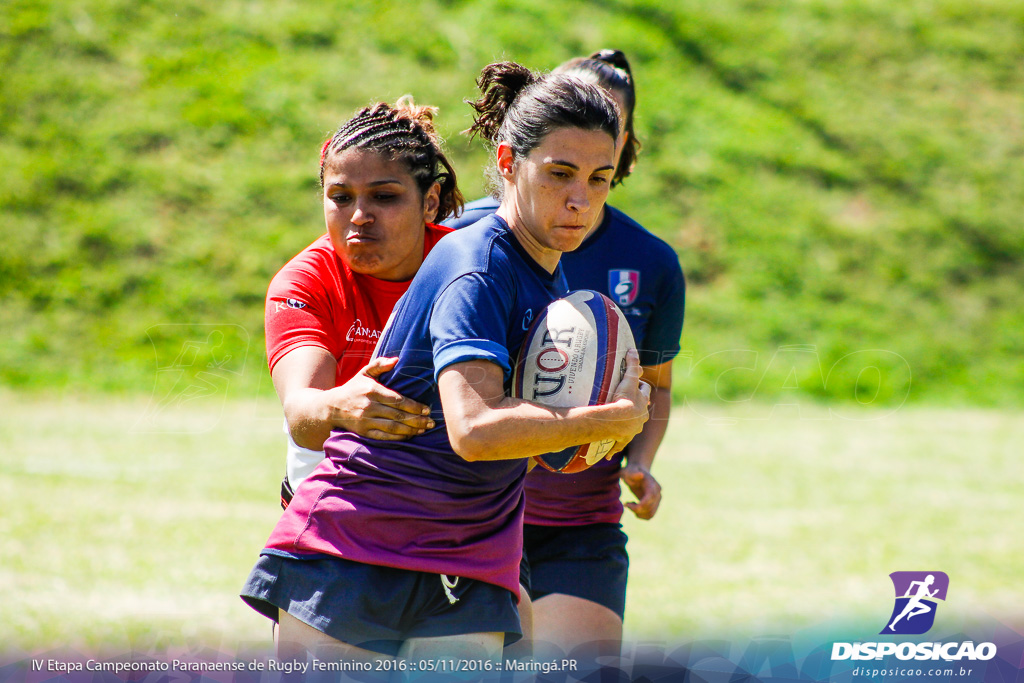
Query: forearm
{"points": [[309, 416], [513, 428], [484, 424], [644, 445]]}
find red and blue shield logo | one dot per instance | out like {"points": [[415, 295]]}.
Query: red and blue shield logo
{"points": [[623, 286]]}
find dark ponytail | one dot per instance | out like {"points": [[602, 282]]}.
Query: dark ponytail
{"points": [[520, 107], [500, 84], [610, 69]]}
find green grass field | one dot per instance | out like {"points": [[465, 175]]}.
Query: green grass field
{"points": [[129, 529], [839, 174]]}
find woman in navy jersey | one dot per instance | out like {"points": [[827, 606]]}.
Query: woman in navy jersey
{"points": [[384, 178], [574, 546], [411, 548]]}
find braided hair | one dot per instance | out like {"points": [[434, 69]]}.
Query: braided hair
{"points": [[405, 132]]}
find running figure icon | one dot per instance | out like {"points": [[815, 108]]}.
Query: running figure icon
{"points": [[916, 605]]}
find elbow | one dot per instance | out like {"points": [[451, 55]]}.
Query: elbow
{"points": [[304, 429], [297, 420], [292, 418], [466, 441]]}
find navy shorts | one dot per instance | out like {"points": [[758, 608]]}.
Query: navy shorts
{"points": [[377, 608], [588, 562], [524, 574]]}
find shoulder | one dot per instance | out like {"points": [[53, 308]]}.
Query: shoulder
{"points": [[315, 265], [479, 256], [624, 226], [657, 253], [472, 212], [471, 249], [319, 254]]}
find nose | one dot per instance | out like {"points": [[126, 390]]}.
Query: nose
{"points": [[361, 215], [578, 200]]}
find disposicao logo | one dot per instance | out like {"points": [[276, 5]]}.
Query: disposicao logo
{"points": [[914, 614], [916, 595]]}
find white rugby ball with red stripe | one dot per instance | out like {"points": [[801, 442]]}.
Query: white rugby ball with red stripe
{"points": [[574, 355]]}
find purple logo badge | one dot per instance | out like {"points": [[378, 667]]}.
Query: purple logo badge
{"points": [[624, 286], [916, 595]]}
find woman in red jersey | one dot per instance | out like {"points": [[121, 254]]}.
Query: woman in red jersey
{"points": [[385, 180]]}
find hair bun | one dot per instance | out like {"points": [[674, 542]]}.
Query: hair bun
{"points": [[408, 109], [422, 115], [500, 84], [616, 58]]}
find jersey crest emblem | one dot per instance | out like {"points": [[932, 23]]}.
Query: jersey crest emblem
{"points": [[623, 285], [294, 303]]}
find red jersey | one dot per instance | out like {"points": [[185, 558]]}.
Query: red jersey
{"points": [[316, 300]]}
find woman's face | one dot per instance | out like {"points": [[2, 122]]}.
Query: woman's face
{"points": [[555, 194], [375, 213]]}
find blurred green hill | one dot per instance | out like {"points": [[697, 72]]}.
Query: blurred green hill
{"points": [[843, 181]]}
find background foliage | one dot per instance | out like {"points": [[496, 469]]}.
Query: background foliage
{"points": [[838, 177]]}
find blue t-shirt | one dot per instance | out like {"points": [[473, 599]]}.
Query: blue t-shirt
{"points": [[472, 212], [474, 299], [640, 272], [417, 504]]}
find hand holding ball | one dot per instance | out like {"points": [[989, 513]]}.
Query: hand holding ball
{"points": [[574, 355]]}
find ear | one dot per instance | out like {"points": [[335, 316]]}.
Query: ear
{"points": [[506, 160], [431, 202]]}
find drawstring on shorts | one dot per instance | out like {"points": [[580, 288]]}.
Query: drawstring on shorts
{"points": [[448, 584]]}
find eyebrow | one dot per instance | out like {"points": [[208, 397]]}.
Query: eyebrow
{"points": [[569, 164], [375, 183]]}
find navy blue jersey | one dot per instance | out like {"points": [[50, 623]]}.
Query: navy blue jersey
{"points": [[633, 267], [472, 212], [641, 273], [474, 299]]}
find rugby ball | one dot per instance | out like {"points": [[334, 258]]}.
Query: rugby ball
{"points": [[574, 355]]}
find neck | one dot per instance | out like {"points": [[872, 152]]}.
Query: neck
{"points": [[545, 258]]}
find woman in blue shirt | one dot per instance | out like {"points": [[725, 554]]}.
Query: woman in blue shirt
{"points": [[412, 548]]}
